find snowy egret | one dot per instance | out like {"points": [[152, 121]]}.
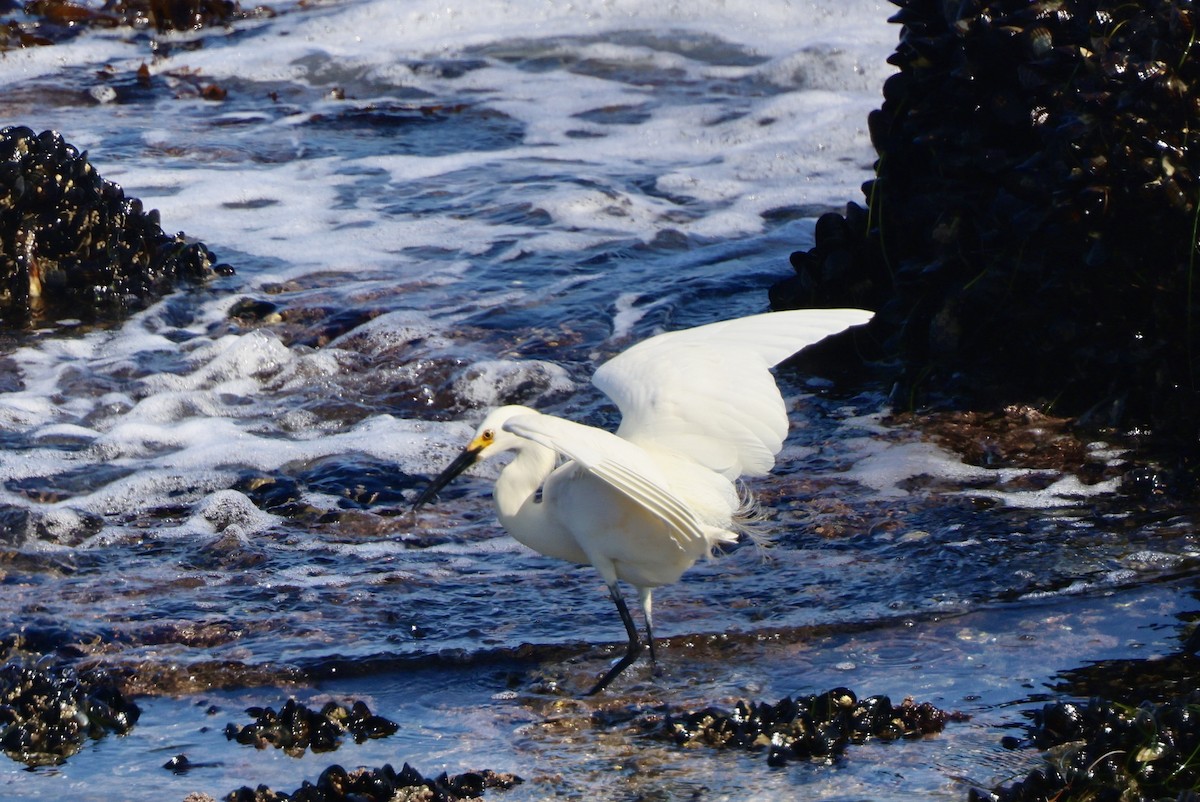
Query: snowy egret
{"points": [[699, 409]]}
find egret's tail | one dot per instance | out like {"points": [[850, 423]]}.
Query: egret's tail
{"points": [[750, 522], [747, 522]]}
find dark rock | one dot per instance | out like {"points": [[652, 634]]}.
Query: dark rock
{"points": [[252, 311], [1030, 235], [819, 725], [272, 492], [297, 727], [71, 243], [359, 479], [1111, 750], [181, 764], [382, 785], [17, 525], [48, 711], [48, 22]]}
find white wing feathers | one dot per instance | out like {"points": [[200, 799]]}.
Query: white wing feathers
{"points": [[620, 464], [707, 393]]}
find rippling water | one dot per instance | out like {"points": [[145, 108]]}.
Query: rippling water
{"points": [[436, 208]]}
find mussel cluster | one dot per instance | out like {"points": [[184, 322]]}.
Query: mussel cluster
{"points": [[47, 712], [297, 727], [815, 726], [1031, 232], [47, 22], [71, 243], [382, 785], [1103, 750]]}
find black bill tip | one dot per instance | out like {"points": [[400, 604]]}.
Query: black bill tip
{"points": [[463, 461]]}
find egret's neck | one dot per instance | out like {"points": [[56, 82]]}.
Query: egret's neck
{"points": [[526, 518], [518, 483]]}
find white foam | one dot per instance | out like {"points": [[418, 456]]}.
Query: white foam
{"points": [[798, 146], [1067, 491], [885, 466], [298, 224], [627, 312], [600, 161], [393, 329], [60, 523], [493, 382], [227, 512]]}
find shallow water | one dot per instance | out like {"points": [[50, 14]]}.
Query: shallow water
{"points": [[438, 209]]}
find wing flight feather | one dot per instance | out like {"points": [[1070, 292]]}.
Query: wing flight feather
{"points": [[707, 392]]}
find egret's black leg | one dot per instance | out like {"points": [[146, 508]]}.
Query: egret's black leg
{"points": [[654, 669], [635, 644]]}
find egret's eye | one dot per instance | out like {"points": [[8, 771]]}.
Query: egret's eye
{"points": [[488, 435]]}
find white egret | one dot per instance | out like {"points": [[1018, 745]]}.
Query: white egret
{"points": [[699, 409]]}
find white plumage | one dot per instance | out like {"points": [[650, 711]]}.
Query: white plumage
{"points": [[699, 409]]}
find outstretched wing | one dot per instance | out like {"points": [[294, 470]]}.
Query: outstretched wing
{"points": [[707, 393], [617, 462]]}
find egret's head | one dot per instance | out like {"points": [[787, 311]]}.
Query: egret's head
{"points": [[491, 438]]}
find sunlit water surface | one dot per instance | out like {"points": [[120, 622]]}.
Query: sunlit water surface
{"points": [[448, 207]]}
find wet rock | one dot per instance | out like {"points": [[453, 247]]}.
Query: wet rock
{"points": [[1109, 750], [36, 641], [62, 486], [181, 764], [1132, 681], [297, 727], [1030, 233], [356, 481], [275, 493], [48, 22], [175, 678], [814, 726], [48, 710], [251, 312], [1021, 437], [67, 527], [72, 244], [383, 785], [359, 480], [16, 525]]}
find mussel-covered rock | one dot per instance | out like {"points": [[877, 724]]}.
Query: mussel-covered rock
{"points": [[297, 727], [1106, 750], [816, 726], [47, 22], [72, 244], [48, 710], [1030, 235], [383, 785]]}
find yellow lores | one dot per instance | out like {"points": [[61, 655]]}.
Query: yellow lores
{"points": [[699, 409]]}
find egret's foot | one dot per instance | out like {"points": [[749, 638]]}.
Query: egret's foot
{"points": [[635, 643], [619, 666], [655, 670]]}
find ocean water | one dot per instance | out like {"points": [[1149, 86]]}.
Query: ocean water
{"points": [[435, 208]]}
